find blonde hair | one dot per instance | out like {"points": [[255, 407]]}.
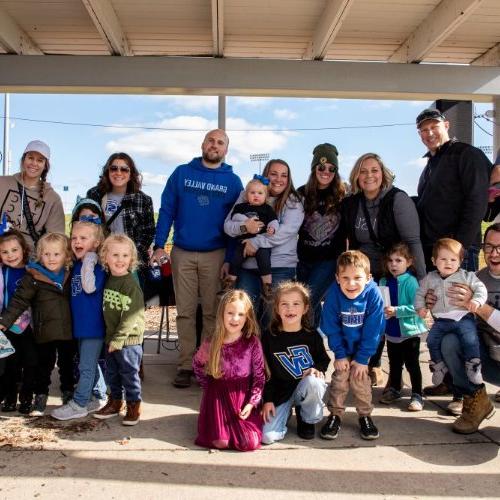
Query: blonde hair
{"points": [[60, 238], [283, 288], [353, 258], [123, 240], [250, 329], [256, 181], [98, 231], [453, 246], [387, 175]]}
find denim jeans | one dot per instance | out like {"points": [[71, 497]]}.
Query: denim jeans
{"points": [[309, 396], [249, 280], [91, 381], [318, 276], [466, 332], [455, 361], [122, 373]]}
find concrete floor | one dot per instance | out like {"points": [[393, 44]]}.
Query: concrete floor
{"points": [[417, 455]]}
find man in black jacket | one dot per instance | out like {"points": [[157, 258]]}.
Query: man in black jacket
{"points": [[452, 190]]}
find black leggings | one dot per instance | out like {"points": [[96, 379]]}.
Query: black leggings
{"points": [[405, 353]]}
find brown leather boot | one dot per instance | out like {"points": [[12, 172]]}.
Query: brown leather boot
{"points": [[112, 408], [476, 408], [376, 375], [133, 413]]}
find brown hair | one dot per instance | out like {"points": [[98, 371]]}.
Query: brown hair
{"points": [[353, 258], [387, 175], [250, 329], [275, 325], [401, 249], [450, 244], [289, 190], [335, 193], [134, 184], [15, 235], [60, 238], [121, 239], [43, 178]]}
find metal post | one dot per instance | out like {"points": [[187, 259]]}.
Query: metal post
{"points": [[6, 127], [221, 118], [496, 126]]}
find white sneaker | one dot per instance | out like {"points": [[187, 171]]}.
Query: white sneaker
{"points": [[95, 404], [69, 411]]}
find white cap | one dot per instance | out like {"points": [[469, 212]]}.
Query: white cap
{"points": [[39, 147]]}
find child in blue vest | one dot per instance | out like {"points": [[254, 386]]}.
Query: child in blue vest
{"points": [[352, 320], [403, 327], [87, 287]]}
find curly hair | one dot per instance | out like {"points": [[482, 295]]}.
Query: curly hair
{"points": [[121, 239], [275, 325], [134, 184], [60, 238], [15, 235], [96, 228]]}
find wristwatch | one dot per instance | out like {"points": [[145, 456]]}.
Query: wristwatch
{"points": [[243, 229]]}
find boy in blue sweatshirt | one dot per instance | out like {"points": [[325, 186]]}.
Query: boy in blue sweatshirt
{"points": [[352, 320]]}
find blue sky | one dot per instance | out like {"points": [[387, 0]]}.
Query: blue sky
{"points": [[270, 124]]}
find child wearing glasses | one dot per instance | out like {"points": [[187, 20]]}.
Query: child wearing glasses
{"points": [[255, 207], [447, 255]]}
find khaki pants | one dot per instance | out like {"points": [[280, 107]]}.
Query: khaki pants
{"points": [[339, 388], [196, 278]]}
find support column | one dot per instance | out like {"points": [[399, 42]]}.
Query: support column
{"points": [[221, 118], [6, 130], [496, 126]]}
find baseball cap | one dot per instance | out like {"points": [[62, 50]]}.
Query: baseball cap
{"points": [[430, 114], [39, 147]]}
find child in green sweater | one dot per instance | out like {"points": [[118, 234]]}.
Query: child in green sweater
{"points": [[123, 308]]}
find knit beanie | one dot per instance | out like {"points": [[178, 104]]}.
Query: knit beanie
{"points": [[325, 153]]}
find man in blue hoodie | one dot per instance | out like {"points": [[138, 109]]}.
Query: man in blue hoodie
{"points": [[196, 200]]}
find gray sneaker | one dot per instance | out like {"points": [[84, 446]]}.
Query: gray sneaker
{"points": [[39, 405], [390, 396], [95, 404], [69, 411]]}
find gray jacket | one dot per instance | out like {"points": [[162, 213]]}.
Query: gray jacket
{"points": [[443, 308]]}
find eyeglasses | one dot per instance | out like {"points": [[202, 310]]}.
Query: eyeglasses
{"points": [[119, 168], [331, 169], [487, 248]]}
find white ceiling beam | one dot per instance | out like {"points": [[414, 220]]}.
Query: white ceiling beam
{"points": [[490, 58], [107, 23], [329, 25], [14, 39], [435, 28], [247, 77], [218, 27]]}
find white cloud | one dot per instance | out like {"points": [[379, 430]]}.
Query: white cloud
{"points": [[174, 147], [379, 104], [158, 179], [285, 114], [419, 104]]}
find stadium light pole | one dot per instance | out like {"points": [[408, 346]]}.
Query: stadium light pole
{"points": [[260, 157]]}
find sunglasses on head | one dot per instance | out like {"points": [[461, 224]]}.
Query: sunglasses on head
{"points": [[119, 168], [331, 169]]}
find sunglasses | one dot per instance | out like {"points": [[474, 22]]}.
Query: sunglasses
{"points": [[119, 168], [322, 168]]}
